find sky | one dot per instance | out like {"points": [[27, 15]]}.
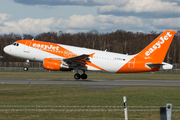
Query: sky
{"points": [[73, 16]]}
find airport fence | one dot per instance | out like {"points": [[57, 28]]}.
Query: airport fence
{"points": [[20, 69], [15, 108]]}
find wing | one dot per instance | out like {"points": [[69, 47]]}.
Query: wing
{"points": [[79, 60]]}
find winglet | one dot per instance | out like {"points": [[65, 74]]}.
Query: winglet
{"points": [[91, 55], [157, 49]]}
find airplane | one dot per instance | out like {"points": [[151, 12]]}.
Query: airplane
{"points": [[59, 57]]}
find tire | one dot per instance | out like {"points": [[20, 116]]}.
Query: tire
{"points": [[77, 76], [25, 68], [84, 76]]}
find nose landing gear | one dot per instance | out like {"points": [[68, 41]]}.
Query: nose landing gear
{"points": [[25, 68], [26, 65]]}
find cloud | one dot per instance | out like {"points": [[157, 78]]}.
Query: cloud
{"points": [[85, 23], [143, 8], [79, 21], [169, 23], [28, 25], [112, 2], [51, 2], [101, 23], [4, 17], [170, 0], [72, 2], [139, 8]]}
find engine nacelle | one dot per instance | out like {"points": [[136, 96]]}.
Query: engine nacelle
{"points": [[55, 65]]}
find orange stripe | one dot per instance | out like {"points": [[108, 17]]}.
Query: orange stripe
{"points": [[53, 48], [49, 48], [95, 66]]}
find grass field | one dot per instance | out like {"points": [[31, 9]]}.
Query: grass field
{"points": [[60, 95], [47, 96]]}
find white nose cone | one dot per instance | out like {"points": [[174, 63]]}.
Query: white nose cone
{"points": [[166, 66], [7, 49]]}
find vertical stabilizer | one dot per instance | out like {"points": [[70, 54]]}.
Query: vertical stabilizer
{"points": [[151, 58], [157, 49]]}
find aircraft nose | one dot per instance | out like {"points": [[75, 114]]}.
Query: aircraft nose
{"points": [[7, 49]]}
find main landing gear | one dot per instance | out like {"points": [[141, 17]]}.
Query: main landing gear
{"points": [[26, 65], [77, 76]]}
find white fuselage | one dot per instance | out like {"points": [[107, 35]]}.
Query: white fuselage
{"points": [[110, 62]]}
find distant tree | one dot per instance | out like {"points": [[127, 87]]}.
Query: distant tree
{"points": [[27, 36]]}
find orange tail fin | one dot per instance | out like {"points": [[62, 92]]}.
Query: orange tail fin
{"points": [[157, 49]]}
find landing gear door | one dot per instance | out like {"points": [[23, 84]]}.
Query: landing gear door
{"points": [[131, 63], [27, 47]]}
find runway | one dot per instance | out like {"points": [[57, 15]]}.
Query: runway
{"points": [[115, 83]]}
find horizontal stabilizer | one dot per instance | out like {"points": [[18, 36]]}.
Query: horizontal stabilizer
{"points": [[163, 66]]}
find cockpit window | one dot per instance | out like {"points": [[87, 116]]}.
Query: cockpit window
{"points": [[16, 44]]}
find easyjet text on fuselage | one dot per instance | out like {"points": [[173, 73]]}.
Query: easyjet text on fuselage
{"points": [[46, 46]]}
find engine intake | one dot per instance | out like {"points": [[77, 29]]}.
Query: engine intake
{"points": [[55, 65]]}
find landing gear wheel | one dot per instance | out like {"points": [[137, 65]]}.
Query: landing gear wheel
{"points": [[25, 68], [77, 76], [84, 76]]}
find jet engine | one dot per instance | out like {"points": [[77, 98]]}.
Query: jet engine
{"points": [[55, 65]]}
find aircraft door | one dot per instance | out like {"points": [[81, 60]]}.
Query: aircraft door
{"points": [[131, 63], [27, 47]]}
